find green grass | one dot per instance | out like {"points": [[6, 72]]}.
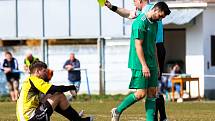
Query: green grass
{"points": [[100, 108]]}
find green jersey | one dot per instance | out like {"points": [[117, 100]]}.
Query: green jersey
{"points": [[145, 30]]}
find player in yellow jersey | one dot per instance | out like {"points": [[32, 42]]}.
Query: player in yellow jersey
{"points": [[39, 98]]}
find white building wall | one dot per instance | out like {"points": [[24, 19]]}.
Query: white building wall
{"points": [[208, 30], [56, 18], [194, 54], [84, 19], [112, 23], [29, 18], [8, 18], [117, 73]]}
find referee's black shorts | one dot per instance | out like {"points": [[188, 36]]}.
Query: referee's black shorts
{"points": [[43, 112]]}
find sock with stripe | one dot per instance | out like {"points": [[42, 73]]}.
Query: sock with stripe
{"points": [[128, 101]]}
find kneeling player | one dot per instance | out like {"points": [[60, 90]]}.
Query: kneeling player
{"points": [[32, 106]]}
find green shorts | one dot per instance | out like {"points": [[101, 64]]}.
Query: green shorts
{"points": [[138, 81]]}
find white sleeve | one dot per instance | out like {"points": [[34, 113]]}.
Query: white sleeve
{"points": [[16, 64], [133, 14]]}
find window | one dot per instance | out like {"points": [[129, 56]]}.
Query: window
{"points": [[213, 50]]}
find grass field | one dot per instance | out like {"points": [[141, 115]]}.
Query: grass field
{"points": [[100, 109]]}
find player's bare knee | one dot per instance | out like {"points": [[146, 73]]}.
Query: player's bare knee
{"points": [[151, 93], [60, 95], [16, 85], [56, 96], [140, 95], [63, 97]]}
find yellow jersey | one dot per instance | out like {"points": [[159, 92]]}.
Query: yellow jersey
{"points": [[29, 98]]}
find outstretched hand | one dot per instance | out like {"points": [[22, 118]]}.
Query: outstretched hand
{"points": [[108, 4]]}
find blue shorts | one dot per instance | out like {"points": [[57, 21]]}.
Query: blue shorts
{"points": [[76, 83]]}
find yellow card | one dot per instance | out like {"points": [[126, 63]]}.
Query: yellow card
{"points": [[101, 2]]}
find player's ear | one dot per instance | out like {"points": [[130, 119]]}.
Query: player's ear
{"points": [[37, 71]]}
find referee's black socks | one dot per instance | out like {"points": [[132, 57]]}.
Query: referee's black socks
{"points": [[160, 106]]}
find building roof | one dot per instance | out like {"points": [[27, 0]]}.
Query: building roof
{"points": [[181, 16]]}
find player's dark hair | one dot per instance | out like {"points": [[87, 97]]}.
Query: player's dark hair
{"points": [[8, 53], [37, 65], [162, 6]]}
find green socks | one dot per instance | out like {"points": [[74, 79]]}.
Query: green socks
{"points": [[131, 99], [150, 108], [128, 101]]}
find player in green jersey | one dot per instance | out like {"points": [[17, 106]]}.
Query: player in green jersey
{"points": [[143, 6], [143, 61]]}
